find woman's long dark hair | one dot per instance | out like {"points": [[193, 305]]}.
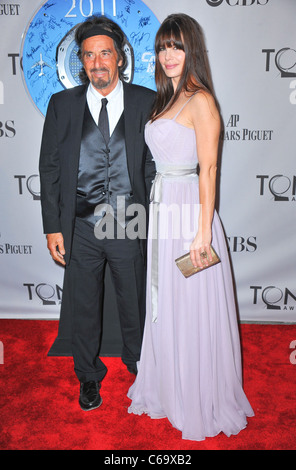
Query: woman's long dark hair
{"points": [[181, 31]]}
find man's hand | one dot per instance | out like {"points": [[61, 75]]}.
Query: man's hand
{"points": [[55, 244]]}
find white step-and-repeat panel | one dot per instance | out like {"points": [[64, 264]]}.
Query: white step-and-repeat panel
{"points": [[252, 52]]}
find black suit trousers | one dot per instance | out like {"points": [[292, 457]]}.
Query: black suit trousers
{"points": [[86, 289]]}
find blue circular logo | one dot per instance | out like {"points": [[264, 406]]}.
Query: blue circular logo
{"points": [[49, 51]]}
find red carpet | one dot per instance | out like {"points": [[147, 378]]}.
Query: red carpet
{"points": [[40, 411]]}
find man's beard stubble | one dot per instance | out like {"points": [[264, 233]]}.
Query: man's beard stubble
{"points": [[100, 83]]}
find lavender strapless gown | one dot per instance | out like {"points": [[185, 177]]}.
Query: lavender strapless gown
{"points": [[190, 367]]}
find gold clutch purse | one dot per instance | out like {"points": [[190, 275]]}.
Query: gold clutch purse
{"points": [[186, 267]]}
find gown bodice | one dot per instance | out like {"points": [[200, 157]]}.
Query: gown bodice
{"points": [[171, 143]]}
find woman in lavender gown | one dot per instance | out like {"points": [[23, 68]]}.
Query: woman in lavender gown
{"points": [[190, 367]]}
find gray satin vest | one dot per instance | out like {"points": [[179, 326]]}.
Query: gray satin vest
{"points": [[103, 173]]}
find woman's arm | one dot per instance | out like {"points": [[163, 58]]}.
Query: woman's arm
{"points": [[206, 121]]}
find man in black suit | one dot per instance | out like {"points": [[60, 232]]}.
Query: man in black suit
{"points": [[94, 169]]}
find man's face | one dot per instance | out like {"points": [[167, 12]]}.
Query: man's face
{"points": [[100, 61]]}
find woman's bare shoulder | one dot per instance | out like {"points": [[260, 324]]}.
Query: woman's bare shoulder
{"points": [[204, 103]]}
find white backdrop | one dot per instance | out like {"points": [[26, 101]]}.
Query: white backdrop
{"points": [[252, 51]]}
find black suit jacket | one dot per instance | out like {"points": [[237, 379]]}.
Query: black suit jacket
{"points": [[60, 152]]}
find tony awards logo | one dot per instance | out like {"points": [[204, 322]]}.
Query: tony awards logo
{"points": [[284, 61]]}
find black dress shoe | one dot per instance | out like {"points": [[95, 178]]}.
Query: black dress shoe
{"points": [[132, 369], [90, 397]]}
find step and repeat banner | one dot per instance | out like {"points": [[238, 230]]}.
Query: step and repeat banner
{"points": [[252, 52]]}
